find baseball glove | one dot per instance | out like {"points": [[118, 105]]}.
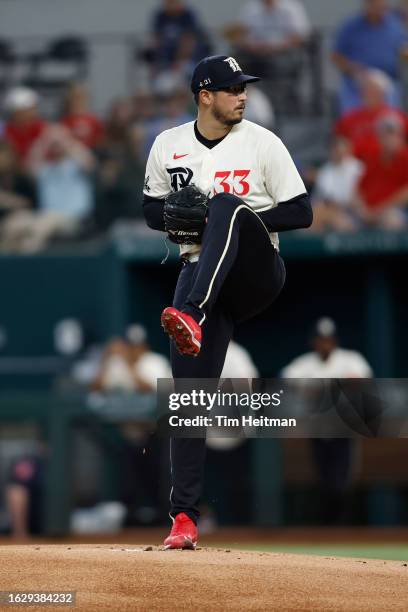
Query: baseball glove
{"points": [[185, 214]]}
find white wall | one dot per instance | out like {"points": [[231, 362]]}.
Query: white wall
{"points": [[45, 17]]}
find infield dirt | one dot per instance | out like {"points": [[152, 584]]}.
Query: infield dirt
{"points": [[129, 577]]}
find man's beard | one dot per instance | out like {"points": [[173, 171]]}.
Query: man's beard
{"points": [[222, 118]]}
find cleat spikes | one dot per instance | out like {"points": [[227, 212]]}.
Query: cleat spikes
{"points": [[183, 330]]}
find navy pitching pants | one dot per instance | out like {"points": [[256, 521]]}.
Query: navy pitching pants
{"points": [[238, 275]]}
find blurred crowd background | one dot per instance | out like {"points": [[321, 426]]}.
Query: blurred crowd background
{"points": [[80, 107], [68, 172]]}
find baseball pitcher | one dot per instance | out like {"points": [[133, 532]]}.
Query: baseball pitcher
{"points": [[222, 188]]}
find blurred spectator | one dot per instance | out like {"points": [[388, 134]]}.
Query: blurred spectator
{"points": [[178, 39], [270, 26], [227, 456], [258, 108], [24, 125], [17, 190], [383, 187], [327, 360], [401, 10], [61, 166], [77, 117], [147, 365], [117, 124], [238, 363], [333, 457], [359, 124], [144, 106], [115, 372], [374, 38], [334, 191], [173, 110], [129, 365], [25, 495], [268, 40], [119, 177]]}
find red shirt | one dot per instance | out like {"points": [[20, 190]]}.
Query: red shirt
{"points": [[22, 137], [383, 178], [88, 129], [359, 127]]}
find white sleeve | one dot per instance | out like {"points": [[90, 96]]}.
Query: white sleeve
{"points": [[321, 188], [156, 184], [151, 367], [298, 368], [282, 180], [300, 20], [238, 363], [359, 366]]}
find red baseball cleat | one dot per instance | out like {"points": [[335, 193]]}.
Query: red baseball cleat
{"points": [[183, 534], [185, 332]]}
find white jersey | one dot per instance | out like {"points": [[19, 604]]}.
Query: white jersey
{"points": [[341, 363], [250, 162]]}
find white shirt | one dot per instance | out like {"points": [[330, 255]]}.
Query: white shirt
{"points": [[337, 182], [152, 366], [258, 108], [250, 162], [341, 363], [238, 363], [275, 24], [118, 373]]}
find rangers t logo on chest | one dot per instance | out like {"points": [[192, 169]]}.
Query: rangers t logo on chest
{"points": [[180, 177]]}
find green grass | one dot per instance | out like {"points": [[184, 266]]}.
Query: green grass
{"points": [[396, 552]]}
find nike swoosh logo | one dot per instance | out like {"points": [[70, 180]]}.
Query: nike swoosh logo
{"points": [[178, 156]]}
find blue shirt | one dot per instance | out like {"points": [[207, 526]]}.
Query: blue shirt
{"points": [[170, 27], [375, 45], [64, 187]]}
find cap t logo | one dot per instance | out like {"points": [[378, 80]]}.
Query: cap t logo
{"points": [[233, 64]]}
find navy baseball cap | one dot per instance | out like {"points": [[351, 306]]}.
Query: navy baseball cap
{"points": [[218, 72]]}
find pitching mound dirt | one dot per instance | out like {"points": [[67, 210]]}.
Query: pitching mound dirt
{"points": [[129, 577]]}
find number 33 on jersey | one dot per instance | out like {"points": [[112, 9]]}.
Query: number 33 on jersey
{"points": [[250, 162]]}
